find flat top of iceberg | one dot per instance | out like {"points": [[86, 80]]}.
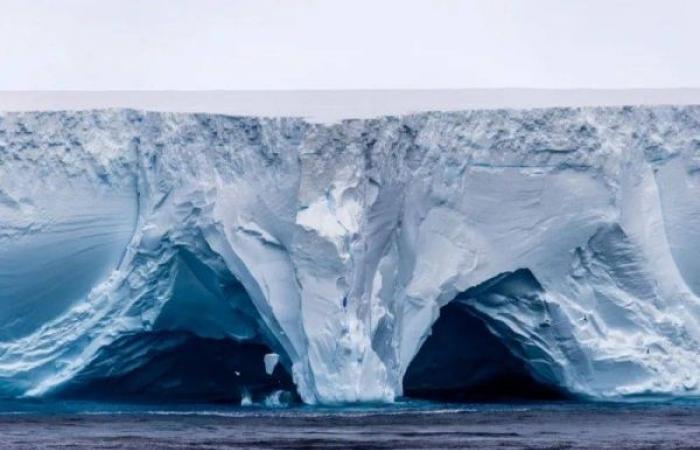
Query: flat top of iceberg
{"points": [[333, 105]]}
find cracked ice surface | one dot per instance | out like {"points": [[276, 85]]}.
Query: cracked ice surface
{"points": [[338, 244]]}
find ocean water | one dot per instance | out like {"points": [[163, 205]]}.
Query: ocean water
{"points": [[404, 425]]}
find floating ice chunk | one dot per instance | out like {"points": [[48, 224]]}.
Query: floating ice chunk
{"points": [[246, 399], [278, 399], [271, 360]]}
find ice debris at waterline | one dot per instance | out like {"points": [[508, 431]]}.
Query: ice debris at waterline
{"points": [[572, 235]]}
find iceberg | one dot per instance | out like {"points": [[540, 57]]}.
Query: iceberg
{"points": [[559, 244]]}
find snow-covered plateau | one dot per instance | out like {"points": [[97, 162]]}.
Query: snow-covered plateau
{"points": [[565, 241]]}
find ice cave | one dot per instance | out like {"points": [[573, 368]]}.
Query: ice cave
{"points": [[490, 254]]}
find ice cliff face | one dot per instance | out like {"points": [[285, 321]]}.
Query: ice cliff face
{"points": [[572, 234]]}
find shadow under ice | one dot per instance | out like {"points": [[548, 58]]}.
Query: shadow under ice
{"points": [[464, 361]]}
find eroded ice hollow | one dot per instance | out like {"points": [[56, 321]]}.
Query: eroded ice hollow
{"points": [[194, 256]]}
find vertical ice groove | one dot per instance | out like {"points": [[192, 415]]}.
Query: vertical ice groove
{"points": [[570, 232]]}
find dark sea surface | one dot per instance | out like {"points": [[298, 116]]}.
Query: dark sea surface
{"points": [[404, 425]]}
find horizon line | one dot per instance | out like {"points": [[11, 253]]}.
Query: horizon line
{"points": [[330, 105]]}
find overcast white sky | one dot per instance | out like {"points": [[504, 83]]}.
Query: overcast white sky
{"points": [[307, 44]]}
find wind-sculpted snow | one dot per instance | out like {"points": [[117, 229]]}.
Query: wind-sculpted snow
{"points": [[572, 234]]}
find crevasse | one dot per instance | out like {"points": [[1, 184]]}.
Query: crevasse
{"points": [[571, 234]]}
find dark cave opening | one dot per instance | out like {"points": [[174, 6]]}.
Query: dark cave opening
{"points": [[207, 345], [463, 361], [168, 366]]}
